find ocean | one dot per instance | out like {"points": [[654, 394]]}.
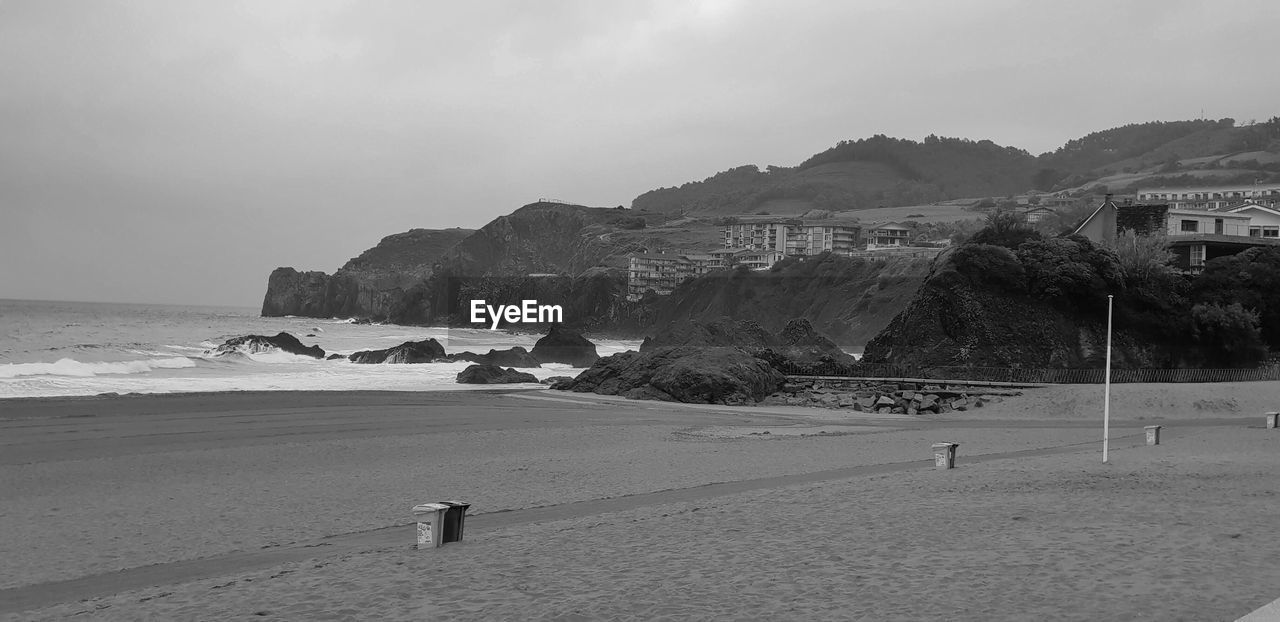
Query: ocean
{"points": [[50, 348]]}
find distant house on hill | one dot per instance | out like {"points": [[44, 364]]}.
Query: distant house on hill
{"points": [[888, 234], [792, 236], [1194, 236], [1037, 213], [662, 272]]}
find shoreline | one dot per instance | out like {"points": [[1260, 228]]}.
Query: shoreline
{"points": [[568, 492]]}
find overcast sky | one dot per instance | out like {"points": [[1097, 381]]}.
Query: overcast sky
{"points": [[176, 152]]}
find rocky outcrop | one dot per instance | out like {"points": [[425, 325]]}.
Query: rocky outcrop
{"points": [[704, 375], [797, 342], [900, 398], [511, 357], [492, 374], [561, 345], [722, 332], [969, 317], [260, 343], [366, 286], [425, 351], [847, 299]]}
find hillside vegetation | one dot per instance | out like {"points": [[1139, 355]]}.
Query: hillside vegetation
{"points": [[847, 299], [1013, 298], [881, 171]]}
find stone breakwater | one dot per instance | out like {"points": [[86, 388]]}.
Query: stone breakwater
{"points": [[886, 398]]}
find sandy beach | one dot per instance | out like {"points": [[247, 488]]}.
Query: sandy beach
{"points": [[296, 506]]}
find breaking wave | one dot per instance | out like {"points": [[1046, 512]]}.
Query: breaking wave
{"points": [[74, 368]]}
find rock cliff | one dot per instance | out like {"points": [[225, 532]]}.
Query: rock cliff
{"points": [[367, 285], [961, 317]]}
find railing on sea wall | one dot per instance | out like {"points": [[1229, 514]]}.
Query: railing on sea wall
{"points": [[1034, 376]]}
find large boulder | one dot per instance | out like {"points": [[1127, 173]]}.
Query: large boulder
{"points": [[262, 343], [492, 374], [425, 351], [561, 345], [797, 343], [704, 375], [511, 357], [724, 332]]}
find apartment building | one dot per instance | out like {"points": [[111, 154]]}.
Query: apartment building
{"points": [[793, 237], [1212, 197]]}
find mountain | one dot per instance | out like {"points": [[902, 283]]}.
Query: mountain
{"points": [[884, 172], [421, 276], [367, 285]]}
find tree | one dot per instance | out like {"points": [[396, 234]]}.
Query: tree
{"points": [[1144, 260], [1005, 228], [1228, 335], [1251, 278], [1071, 269]]}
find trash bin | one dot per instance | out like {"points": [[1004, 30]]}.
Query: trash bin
{"points": [[454, 520], [1273, 421], [944, 455], [1153, 434], [431, 519]]}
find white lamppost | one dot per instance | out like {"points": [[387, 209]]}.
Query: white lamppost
{"points": [[1106, 394]]}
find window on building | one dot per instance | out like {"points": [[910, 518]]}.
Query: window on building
{"points": [[1255, 232], [1197, 255], [1190, 226], [1271, 232]]}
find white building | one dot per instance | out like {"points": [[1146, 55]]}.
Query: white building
{"points": [[793, 237], [1264, 222], [1212, 197]]}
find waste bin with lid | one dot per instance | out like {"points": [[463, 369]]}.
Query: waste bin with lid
{"points": [[944, 455], [431, 522], [454, 519], [1153, 434]]}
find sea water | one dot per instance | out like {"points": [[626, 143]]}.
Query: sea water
{"points": [[81, 348]]}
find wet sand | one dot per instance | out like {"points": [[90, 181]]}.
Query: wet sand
{"points": [[295, 506]]}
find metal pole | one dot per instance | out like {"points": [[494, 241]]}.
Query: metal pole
{"points": [[1106, 395]]}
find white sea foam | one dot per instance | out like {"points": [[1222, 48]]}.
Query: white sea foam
{"points": [[74, 368]]}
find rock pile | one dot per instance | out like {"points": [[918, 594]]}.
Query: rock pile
{"points": [[888, 398]]}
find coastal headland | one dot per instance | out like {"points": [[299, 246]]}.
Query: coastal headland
{"points": [[284, 505]]}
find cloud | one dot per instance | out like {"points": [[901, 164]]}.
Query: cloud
{"points": [[333, 123]]}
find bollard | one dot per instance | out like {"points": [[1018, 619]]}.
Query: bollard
{"points": [[944, 455], [1273, 421], [430, 517], [1153, 434]]}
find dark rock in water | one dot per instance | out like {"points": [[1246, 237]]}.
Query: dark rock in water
{"points": [[311, 334], [492, 374], [705, 375], [511, 357], [262, 343], [558, 382], [335, 357], [425, 351], [562, 345]]}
